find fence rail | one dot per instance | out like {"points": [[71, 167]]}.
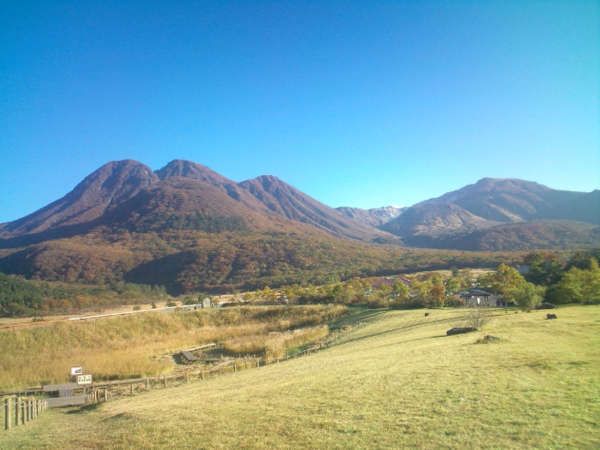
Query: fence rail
{"points": [[18, 411]]}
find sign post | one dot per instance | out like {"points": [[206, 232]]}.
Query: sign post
{"points": [[84, 379]]}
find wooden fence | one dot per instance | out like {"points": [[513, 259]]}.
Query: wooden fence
{"points": [[29, 408], [101, 392], [17, 411]]}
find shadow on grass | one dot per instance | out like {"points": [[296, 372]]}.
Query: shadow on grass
{"points": [[84, 408], [425, 322], [357, 315]]}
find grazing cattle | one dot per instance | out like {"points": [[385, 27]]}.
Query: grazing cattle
{"points": [[551, 316], [426, 314]]}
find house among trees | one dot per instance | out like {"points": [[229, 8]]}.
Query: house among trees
{"points": [[478, 297]]}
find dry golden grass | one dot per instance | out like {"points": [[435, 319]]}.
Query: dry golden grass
{"points": [[274, 344], [398, 382], [137, 345]]}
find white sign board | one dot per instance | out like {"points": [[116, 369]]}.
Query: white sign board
{"points": [[84, 379], [76, 371]]}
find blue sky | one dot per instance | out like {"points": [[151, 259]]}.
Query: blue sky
{"points": [[355, 103]]}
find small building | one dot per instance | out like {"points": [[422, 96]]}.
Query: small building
{"points": [[478, 297]]}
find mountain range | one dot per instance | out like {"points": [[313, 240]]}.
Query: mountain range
{"points": [[129, 195], [189, 227], [501, 214]]}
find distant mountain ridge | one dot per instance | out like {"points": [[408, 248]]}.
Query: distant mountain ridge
{"points": [[456, 219], [374, 217]]}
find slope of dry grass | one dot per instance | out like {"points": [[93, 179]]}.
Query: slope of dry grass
{"points": [[138, 345], [398, 382]]}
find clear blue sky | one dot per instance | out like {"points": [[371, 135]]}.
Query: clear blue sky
{"points": [[355, 103]]}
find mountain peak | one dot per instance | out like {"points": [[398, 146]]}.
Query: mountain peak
{"points": [[103, 189], [189, 169], [268, 180]]}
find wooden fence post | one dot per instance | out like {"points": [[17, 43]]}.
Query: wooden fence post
{"points": [[147, 384], [131, 389], [165, 380], [6, 414], [17, 409]]}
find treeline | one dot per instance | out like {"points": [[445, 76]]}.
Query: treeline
{"points": [[548, 279], [413, 291], [196, 221], [186, 261], [19, 297]]}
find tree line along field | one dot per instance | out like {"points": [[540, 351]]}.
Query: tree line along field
{"points": [[23, 297], [186, 261], [397, 382]]}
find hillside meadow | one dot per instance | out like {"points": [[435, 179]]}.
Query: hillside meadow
{"points": [[397, 382], [143, 344]]}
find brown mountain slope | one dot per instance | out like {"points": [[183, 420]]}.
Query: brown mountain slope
{"points": [[187, 203], [189, 169], [449, 220], [287, 201], [188, 228], [512, 200], [181, 195], [517, 236], [98, 193], [435, 219]]}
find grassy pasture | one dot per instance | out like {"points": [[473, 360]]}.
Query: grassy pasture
{"points": [[397, 382]]}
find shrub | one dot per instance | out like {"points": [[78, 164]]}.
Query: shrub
{"points": [[455, 300], [528, 296], [476, 318], [189, 300]]}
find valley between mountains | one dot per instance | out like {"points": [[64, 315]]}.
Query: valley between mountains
{"points": [[189, 228]]}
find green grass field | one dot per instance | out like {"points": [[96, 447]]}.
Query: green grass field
{"points": [[397, 382]]}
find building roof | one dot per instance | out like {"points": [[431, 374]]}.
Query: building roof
{"points": [[471, 292]]}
